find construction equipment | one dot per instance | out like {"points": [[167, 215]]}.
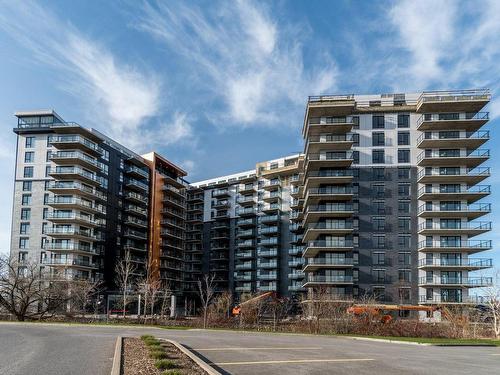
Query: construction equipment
{"points": [[237, 308], [382, 312]]}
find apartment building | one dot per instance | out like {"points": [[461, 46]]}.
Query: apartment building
{"points": [[385, 201], [82, 201]]}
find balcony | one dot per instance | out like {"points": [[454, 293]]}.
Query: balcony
{"points": [[244, 289], [271, 185], [468, 228], [267, 276], [73, 217], [470, 264], [464, 193], [454, 100], [75, 188], [272, 196], [71, 247], [296, 275], [245, 233], [296, 250], [135, 234], [245, 223], [313, 280], [174, 202], [249, 211], [266, 265], [247, 189], [330, 193], [268, 288], [244, 266], [315, 247], [317, 178], [269, 219], [76, 142], [71, 232], [296, 288], [335, 142], [132, 221], [136, 185], [453, 139], [338, 159], [271, 253], [437, 299], [135, 197], [296, 263], [245, 255], [469, 176], [76, 157], [245, 244], [471, 211], [464, 282], [469, 246], [315, 212], [313, 264], [269, 241], [136, 210], [269, 230], [221, 193], [246, 200], [73, 263], [318, 123], [335, 228], [69, 172], [444, 158], [137, 172], [63, 202]]}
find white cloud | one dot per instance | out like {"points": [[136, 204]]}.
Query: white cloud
{"points": [[119, 96], [243, 57]]}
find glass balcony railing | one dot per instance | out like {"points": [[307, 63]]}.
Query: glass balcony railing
{"points": [[458, 262], [465, 244]]}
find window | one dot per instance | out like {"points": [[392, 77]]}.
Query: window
{"points": [[29, 157], [404, 276], [378, 242], [28, 172], [404, 259], [45, 198], [25, 213], [26, 199], [378, 259], [355, 122], [378, 276], [378, 223], [24, 243], [404, 224], [403, 121], [355, 140], [44, 227], [47, 170], [24, 228], [45, 213], [378, 207], [403, 138], [378, 156], [27, 185], [49, 140], [378, 139], [404, 241], [46, 185], [378, 122], [404, 297], [404, 190], [378, 174], [378, 190], [48, 155], [403, 156], [23, 256], [403, 173], [404, 207], [29, 142], [355, 157]]}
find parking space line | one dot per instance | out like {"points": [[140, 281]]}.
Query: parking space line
{"points": [[266, 348], [293, 361]]}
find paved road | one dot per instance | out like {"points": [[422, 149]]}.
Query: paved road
{"points": [[60, 350]]}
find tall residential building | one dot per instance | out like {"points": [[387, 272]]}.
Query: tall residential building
{"points": [[384, 201]]}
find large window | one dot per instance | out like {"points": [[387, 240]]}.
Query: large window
{"points": [[378, 139], [403, 138], [25, 213], [378, 242], [403, 156], [29, 157], [404, 190], [378, 122], [378, 174], [29, 142], [404, 224], [26, 199], [378, 156], [27, 185], [403, 121], [378, 223], [378, 259], [24, 228], [24, 243], [403, 173], [404, 241], [28, 172]]}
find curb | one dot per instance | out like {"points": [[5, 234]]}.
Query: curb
{"points": [[389, 341], [204, 365], [117, 359]]}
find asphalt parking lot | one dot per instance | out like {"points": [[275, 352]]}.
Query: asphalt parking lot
{"points": [[78, 349]]}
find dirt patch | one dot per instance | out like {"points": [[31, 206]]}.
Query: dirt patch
{"points": [[136, 359]]}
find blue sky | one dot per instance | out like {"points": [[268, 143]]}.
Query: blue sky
{"points": [[217, 86]]}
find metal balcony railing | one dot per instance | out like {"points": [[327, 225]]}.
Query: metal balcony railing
{"points": [[475, 207], [466, 244], [469, 262], [471, 225], [465, 281]]}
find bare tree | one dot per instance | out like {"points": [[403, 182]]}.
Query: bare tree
{"points": [[492, 296], [82, 292], [27, 292], [221, 307], [124, 270], [206, 291], [165, 293]]}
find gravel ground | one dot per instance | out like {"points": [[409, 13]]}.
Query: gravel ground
{"points": [[137, 361]]}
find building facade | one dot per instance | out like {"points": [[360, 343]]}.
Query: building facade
{"points": [[385, 201]]}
